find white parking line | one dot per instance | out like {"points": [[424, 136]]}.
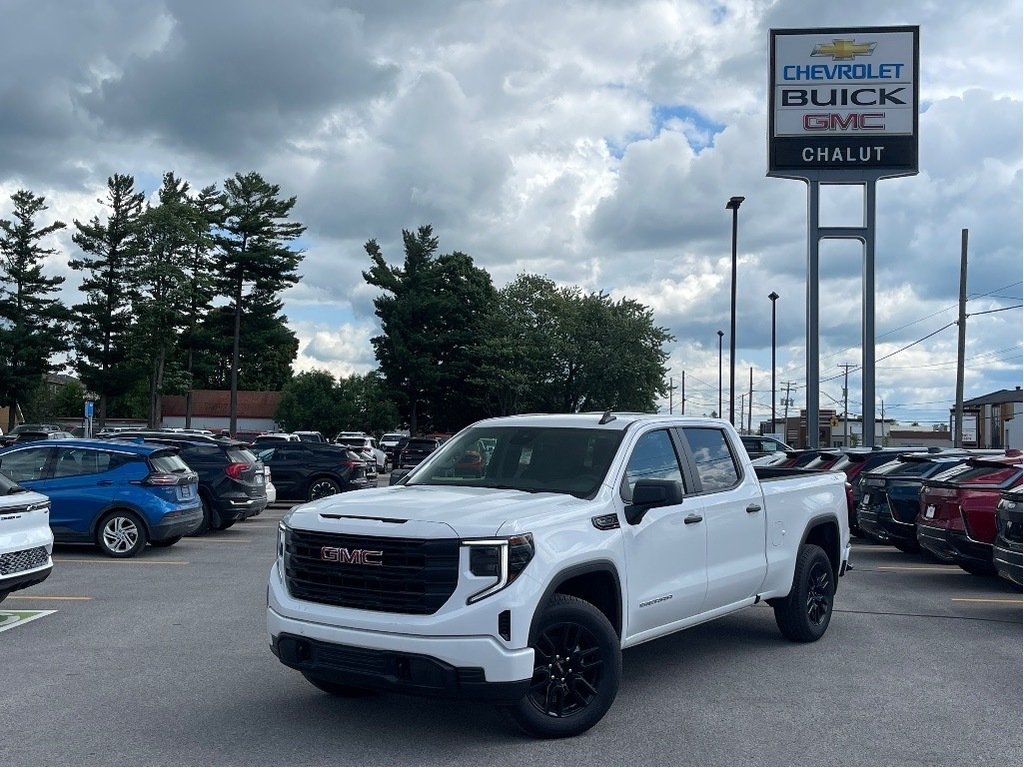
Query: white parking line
{"points": [[1011, 601], [113, 561], [46, 597]]}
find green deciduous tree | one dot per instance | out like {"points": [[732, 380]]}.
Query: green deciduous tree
{"points": [[315, 400], [253, 248], [32, 321], [433, 313], [102, 323]]}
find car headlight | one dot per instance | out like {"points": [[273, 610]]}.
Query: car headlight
{"points": [[503, 559], [282, 535]]}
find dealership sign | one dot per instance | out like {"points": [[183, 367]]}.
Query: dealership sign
{"points": [[843, 102]]}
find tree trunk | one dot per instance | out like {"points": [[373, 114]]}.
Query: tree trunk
{"points": [[188, 395], [233, 408]]}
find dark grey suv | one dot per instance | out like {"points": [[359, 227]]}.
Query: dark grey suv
{"points": [[232, 483]]}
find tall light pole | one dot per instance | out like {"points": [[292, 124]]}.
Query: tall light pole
{"points": [[720, 335], [734, 206], [774, 297]]}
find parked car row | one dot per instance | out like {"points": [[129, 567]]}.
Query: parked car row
{"points": [[948, 505], [957, 505]]}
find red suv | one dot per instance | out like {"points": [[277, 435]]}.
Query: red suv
{"points": [[956, 518]]}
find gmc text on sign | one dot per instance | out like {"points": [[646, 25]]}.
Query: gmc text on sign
{"points": [[843, 101]]}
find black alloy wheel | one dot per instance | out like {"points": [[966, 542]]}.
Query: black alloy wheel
{"points": [[567, 670], [322, 486], [804, 614], [577, 667]]}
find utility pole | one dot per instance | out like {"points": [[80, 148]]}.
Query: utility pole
{"points": [[743, 399], [671, 387], [786, 402], [846, 401], [961, 343], [750, 413], [682, 396], [884, 439]]}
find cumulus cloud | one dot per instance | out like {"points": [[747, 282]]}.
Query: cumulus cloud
{"points": [[596, 143]]}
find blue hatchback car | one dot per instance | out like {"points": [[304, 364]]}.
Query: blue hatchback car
{"points": [[118, 496]]}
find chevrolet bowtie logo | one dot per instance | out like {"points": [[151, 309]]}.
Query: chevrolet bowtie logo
{"points": [[844, 50]]}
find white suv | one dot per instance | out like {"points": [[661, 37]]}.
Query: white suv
{"points": [[26, 541]]}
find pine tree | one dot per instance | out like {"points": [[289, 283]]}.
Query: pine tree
{"points": [[252, 244], [102, 323], [32, 322]]}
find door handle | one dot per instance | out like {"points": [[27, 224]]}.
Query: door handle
{"points": [[752, 508], [691, 519], [105, 482]]}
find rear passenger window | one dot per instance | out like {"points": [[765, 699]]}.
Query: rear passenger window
{"points": [[712, 458], [653, 458]]}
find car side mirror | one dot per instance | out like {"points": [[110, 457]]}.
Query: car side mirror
{"points": [[398, 474], [648, 494]]}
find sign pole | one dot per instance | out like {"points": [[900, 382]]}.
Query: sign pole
{"points": [[813, 374], [868, 314]]}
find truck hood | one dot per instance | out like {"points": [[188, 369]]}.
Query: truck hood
{"points": [[428, 511]]}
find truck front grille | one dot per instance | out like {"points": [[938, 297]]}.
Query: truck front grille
{"points": [[24, 560], [415, 576]]}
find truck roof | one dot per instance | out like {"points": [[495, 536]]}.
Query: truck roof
{"points": [[610, 420]]}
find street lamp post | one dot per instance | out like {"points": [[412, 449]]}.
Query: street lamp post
{"points": [[720, 335], [774, 297], [734, 206]]}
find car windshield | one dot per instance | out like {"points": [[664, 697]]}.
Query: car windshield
{"points": [[530, 459]]}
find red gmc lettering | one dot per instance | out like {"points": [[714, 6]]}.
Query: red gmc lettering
{"points": [[853, 121]]}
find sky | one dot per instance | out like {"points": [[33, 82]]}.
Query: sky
{"points": [[593, 142]]}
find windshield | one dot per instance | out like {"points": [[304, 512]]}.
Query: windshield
{"points": [[8, 486], [531, 459]]}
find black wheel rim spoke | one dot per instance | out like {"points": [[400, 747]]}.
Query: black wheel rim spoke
{"points": [[567, 671], [818, 594]]}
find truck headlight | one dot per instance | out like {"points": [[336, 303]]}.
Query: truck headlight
{"points": [[282, 532], [503, 559]]}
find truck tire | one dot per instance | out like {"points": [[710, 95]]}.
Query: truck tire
{"points": [[577, 668], [337, 689], [803, 615]]}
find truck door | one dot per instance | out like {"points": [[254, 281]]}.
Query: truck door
{"points": [[733, 517], [666, 551]]}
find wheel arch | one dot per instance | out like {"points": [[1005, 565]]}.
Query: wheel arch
{"points": [[596, 581], [823, 530], [118, 506]]}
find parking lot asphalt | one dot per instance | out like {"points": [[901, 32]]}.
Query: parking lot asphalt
{"points": [[163, 660]]}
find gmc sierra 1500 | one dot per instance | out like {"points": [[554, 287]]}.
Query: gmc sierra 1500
{"points": [[519, 577]]}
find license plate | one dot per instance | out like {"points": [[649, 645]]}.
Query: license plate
{"points": [[929, 511], [260, 479], [185, 492], [867, 499]]}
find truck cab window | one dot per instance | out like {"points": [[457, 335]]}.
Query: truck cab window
{"points": [[712, 458], [653, 458]]}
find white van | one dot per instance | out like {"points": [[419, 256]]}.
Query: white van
{"points": [[26, 541]]}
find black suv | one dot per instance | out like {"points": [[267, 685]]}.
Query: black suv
{"points": [[232, 483], [416, 450], [308, 471]]}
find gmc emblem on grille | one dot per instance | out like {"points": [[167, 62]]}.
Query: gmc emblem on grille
{"points": [[352, 556]]}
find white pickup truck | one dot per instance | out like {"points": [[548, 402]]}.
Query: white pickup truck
{"points": [[517, 561]]}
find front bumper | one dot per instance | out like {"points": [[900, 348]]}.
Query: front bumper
{"points": [[442, 644], [400, 672]]}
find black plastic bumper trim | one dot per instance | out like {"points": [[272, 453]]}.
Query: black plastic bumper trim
{"points": [[393, 671]]}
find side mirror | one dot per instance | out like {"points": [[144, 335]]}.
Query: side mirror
{"points": [[398, 474], [648, 494]]}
